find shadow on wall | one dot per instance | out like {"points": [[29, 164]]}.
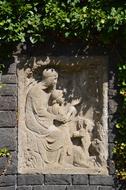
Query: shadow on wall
{"points": [[6, 56]]}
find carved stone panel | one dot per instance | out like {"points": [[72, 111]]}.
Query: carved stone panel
{"points": [[62, 103]]}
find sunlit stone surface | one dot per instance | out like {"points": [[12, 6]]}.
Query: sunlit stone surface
{"points": [[62, 110]]}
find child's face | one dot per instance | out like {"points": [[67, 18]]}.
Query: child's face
{"points": [[60, 100]]}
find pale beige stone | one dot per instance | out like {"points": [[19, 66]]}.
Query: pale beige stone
{"points": [[63, 115]]}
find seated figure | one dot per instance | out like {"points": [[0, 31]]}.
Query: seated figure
{"points": [[46, 142]]}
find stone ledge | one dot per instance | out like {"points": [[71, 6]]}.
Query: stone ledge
{"points": [[8, 103], [8, 119], [8, 138], [58, 179], [8, 79], [30, 179], [8, 90], [101, 180], [8, 180], [80, 179]]}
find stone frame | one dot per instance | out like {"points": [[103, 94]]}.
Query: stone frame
{"points": [[67, 65]]}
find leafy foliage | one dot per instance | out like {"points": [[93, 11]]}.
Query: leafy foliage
{"points": [[4, 152], [31, 20]]}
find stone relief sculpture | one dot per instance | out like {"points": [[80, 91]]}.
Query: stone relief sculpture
{"points": [[64, 130], [48, 138]]}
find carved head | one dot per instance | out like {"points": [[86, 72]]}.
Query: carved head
{"points": [[57, 96], [50, 77]]}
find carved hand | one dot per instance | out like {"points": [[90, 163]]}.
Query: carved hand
{"points": [[60, 118], [81, 132]]}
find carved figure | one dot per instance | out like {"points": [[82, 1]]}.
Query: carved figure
{"points": [[58, 108], [78, 155], [97, 149], [61, 136], [45, 140], [81, 153]]}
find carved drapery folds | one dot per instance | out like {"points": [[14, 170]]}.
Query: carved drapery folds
{"points": [[63, 115]]}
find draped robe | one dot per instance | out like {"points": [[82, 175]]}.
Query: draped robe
{"points": [[45, 140]]}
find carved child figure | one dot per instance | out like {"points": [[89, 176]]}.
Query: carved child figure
{"points": [[58, 106], [81, 153], [68, 111]]}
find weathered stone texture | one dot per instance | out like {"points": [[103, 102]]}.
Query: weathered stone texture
{"points": [[30, 179], [12, 167], [8, 188], [101, 180], [8, 138], [80, 179], [8, 103], [112, 106], [8, 180], [106, 188], [111, 165], [112, 92], [3, 164], [112, 121], [111, 136], [111, 146], [12, 68], [8, 90], [8, 119], [58, 179], [8, 79]]}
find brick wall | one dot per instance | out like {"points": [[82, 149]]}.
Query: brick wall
{"points": [[8, 128]]}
